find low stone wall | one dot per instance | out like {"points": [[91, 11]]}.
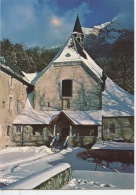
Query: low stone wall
{"points": [[81, 141], [50, 179]]}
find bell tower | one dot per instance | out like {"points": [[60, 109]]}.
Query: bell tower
{"points": [[77, 31]]}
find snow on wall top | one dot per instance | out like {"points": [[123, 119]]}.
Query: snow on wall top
{"points": [[112, 145]]}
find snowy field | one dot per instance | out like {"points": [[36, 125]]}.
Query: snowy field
{"points": [[19, 162]]}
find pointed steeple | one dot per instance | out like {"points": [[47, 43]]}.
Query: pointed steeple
{"points": [[77, 27], [77, 31]]}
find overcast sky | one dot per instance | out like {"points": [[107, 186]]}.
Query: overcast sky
{"points": [[50, 22]]}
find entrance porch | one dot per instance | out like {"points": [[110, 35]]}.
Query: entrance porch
{"points": [[76, 135]]}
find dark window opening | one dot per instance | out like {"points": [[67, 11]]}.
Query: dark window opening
{"points": [[33, 132], [78, 40], [18, 129], [67, 55], [8, 130], [65, 104], [37, 132], [112, 128], [48, 104], [3, 104], [66, 88], [10, 103]]}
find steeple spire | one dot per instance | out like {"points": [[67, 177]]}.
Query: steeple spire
{"points": [[77, 27], [77, 31]]}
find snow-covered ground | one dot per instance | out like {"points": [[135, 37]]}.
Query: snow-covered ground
{"points": [[112, 145], [82, 184], [14, 167], [92, 180]]}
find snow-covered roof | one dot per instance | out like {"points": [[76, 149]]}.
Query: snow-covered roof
{"points": [[31, 117], [12, 69], [74, 52], [69, 53], [35, 117], [115, 101], [93, 117], [30, 76]]}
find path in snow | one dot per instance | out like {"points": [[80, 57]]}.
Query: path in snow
{"points": [[7, 157], [22, 167]]}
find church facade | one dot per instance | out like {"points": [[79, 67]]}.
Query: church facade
{"points": [[73, 99]]}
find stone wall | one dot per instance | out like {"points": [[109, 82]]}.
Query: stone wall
{"points": [[13, 91], [49, 179], [86, 90], [81, 141], [34, 135], [85, 130], [124, 128]]}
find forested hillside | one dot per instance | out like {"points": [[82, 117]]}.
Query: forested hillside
{"points": [[28, 59]]}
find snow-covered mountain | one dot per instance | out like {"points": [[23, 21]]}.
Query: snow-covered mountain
{"points": [[111, 45], [106, 34]]}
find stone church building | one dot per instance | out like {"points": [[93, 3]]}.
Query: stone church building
{"points": [[71, 99]]}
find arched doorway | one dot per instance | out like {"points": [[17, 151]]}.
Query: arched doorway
{"points": [[64, 134], [63, 128]]}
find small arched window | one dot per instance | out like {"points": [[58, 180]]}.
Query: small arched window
{"points": [[112, 128]]}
